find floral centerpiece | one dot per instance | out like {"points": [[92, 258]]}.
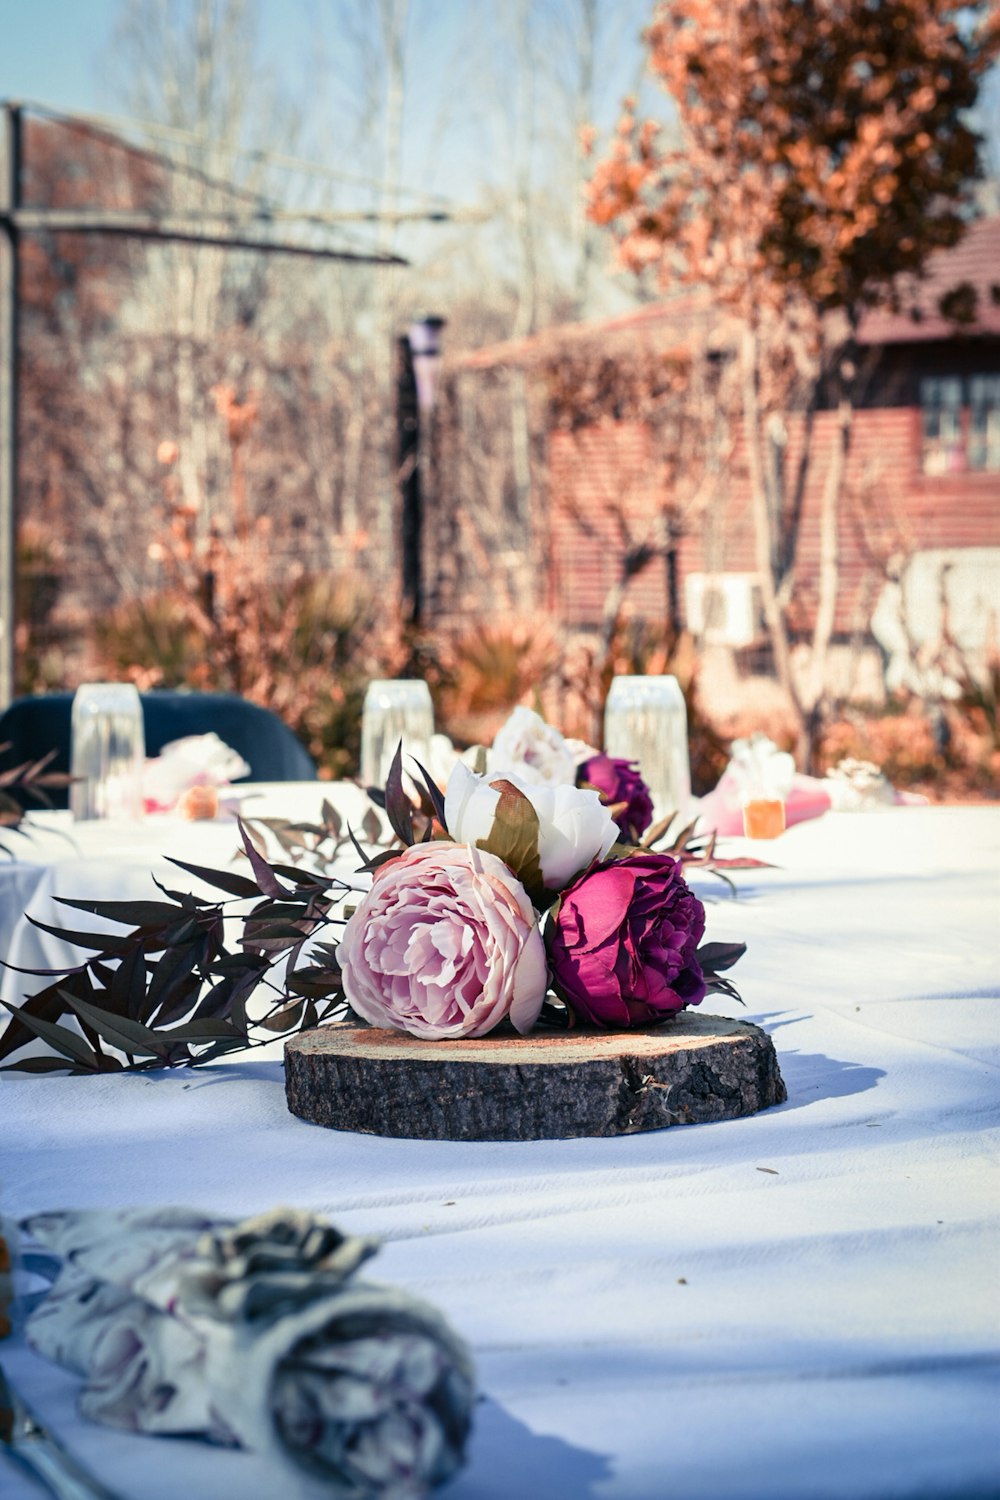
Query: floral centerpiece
{"points": [[536, 886], [528, 892]]}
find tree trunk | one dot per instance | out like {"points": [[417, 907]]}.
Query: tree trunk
{"points": [[764, 539], [829, 576]]}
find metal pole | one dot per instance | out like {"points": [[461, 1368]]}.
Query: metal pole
{"points": [[424, 345], [411, 502], [10, 193]]}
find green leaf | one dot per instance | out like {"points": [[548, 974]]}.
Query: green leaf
{"points": [[329, 952], [233, 963], [152, 914], [177, 936], [715, 985], [680, 842], [434, 793], [119, 1031], [398, 808], [62, 1040], [179, 1003], [238, 1005], [372, 863], [514, 838], [743, 862], [185, 899], [303, 880], [657, 831], [258, 933], [277, 911], [331, 818], [314, 983], [267, 882], [371, 826], [284, 1019], [46, 1005], [204, 1029], [46, 1064], [100, 942], [171, 972], [715, 957], [223, 880], [127, 990]]}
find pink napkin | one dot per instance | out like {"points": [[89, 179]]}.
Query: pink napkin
{"points": [[198, 760], [722, 809]]}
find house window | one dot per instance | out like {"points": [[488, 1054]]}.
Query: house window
{"points": [[984, 422], [941, 408], [960, 422]]}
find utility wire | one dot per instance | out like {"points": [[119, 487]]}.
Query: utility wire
{"points": [[252, 153]]}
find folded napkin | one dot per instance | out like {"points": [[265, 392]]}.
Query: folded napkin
{"points": [[862, 786], [185, 766], [257, 1334], [759, 769]]}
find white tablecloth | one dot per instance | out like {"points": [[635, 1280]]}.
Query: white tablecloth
{"points": [[56, 857], [799, 1305]]}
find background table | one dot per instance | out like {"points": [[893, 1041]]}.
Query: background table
{"points": [[800, 1304], [57, 857]]}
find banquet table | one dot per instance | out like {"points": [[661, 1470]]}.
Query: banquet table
{"points": [[55, 857], [799, 1305]]}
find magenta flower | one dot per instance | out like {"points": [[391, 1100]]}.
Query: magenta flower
{"points": [[445, 944], [622, 943], [623, 789]]}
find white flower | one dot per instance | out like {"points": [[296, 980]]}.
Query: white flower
{"points": [[574, 825], [534, 750], [581, 751]]}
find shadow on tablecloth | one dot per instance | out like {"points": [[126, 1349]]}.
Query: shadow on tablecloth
{"points": [[508, 1459]]}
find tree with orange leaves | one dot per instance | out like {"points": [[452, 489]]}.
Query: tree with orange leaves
{"points": [[824, 152]]}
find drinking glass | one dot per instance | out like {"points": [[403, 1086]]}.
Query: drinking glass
{"points": [[393, 711], [764, 775], [763, 817], [645, 720], [108, 751]]}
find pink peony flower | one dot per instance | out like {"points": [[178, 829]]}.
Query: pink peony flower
{"points": [[445, 944], [623, 943]]}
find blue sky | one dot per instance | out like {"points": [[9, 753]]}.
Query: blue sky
{"points": [[56, 51], [60, 52], [50, 50]]}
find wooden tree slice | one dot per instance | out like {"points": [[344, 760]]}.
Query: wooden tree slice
{"points": [[548, 1086]]}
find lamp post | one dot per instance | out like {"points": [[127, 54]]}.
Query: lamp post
{"points": [[10, 198], [419, 361]]}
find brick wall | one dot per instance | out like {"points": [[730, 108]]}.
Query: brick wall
{"points": [[890, 507]]}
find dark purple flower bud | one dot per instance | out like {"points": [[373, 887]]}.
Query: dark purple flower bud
{"points": [[622, 943], [621, 786]]}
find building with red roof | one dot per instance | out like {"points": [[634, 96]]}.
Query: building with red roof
{"points": [[924, 469]]}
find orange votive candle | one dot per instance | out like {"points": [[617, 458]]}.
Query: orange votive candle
{"points": [[764, 818]]}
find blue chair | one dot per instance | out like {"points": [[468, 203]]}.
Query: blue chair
{"points": [[33, 726]]}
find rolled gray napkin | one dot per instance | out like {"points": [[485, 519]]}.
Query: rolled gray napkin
{"points": [[257, 1334]]}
